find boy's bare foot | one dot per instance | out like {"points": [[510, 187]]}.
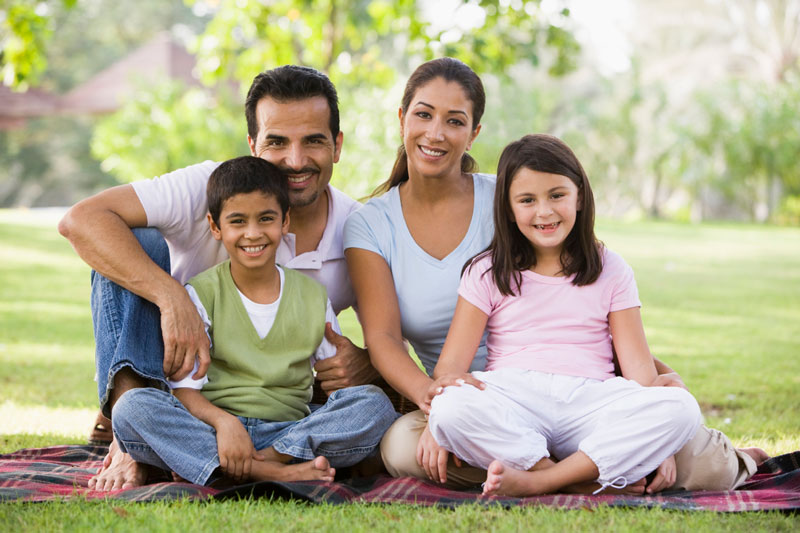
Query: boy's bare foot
{"points": [[119, 471], [506, 481], [758, 455], [317, 469]]}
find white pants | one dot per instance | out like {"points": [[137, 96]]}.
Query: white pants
{"points": [[523, 416]]}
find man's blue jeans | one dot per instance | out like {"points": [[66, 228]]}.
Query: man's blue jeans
{"points": [[155, 428], [127, 328]]}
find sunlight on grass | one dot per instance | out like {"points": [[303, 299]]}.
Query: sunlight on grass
{"points": [[39, 420]]}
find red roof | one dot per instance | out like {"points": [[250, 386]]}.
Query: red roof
{"points": [[15, 107], [107, 90]]}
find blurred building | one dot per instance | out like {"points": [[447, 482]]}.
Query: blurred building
{"points": [[105, 92]]}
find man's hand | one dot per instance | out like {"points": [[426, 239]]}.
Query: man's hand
{"points": [[348, 368], [235, 449], [671, 379], [666, 474], [184, 337]]}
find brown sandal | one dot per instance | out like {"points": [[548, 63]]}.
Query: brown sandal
{"points": [[101, 434]]}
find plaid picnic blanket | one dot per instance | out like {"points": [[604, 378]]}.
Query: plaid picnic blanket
{"points": [[63, 472]]}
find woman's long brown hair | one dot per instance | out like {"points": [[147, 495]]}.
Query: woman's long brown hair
{"points": [[449, 69]]}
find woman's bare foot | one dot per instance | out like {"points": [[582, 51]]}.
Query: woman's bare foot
{"points": [[317, 469], [758, 455], [119, 471]]}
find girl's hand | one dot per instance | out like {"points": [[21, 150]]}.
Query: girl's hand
{"points": [[235, 449], [666, 474], [433, 458], [450, 380], [671, 379]]}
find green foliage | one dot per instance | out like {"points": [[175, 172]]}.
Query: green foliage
{"points": [[753, 130], [25, 29], [168, 127], [48, 163], [362, 42]]}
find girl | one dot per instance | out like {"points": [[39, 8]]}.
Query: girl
{"points": [[553, 300]]}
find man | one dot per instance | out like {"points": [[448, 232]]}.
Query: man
{"points": [[146, 327]]}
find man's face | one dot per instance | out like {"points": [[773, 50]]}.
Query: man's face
{"points": [[295, 136]]}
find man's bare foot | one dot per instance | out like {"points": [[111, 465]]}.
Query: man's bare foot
{"points": [[758, 455], [119, 471], [317, 469], [507, 481]]}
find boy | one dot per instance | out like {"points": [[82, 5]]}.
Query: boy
{"points": [[249, 419]]}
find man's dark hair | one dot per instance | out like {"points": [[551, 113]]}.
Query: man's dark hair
{"points": [[243, 175], [287, 83]]}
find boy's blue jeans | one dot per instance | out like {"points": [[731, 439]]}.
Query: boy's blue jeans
{"points": [[155, 428], [127, 331]]}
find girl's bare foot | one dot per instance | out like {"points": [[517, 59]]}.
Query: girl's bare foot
{"points": [[758, 455], [119, 471], [507, 481], [317, 469]]}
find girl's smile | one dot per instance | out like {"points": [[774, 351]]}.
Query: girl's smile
{"points": [[544, 207]]}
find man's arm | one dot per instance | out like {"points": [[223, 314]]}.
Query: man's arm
{"points": [[99, 228]]}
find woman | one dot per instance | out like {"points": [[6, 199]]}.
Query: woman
{"points": [[405, 251]]}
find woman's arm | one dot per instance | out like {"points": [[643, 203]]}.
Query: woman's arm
{"points": [[380, 318], [627, 333]]}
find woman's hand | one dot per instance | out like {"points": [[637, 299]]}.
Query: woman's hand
{"points": [[433, 458], [666, 474], [450, 380]]}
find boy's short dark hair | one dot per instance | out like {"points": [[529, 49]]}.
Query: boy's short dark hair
{"points": [[243, 175]]}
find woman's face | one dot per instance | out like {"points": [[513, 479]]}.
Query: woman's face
{"points": [[437, 128]]}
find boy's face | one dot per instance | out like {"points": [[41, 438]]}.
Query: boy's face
{"points": [[251, 226]]}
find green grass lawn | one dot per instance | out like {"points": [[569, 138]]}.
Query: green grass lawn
{"points": [[721, 305]]}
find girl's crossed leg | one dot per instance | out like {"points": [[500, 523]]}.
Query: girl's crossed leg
{"points": [[614, 432]]}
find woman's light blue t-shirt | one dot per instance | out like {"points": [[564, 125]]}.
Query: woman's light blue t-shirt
{"points": [[427, 288]]}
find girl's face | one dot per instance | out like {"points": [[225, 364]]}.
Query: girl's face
{"points": [[437, 128], [544, 207]]}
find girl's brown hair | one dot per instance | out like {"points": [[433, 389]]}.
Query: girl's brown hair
{"points": [[510, 250], [449, 69]]}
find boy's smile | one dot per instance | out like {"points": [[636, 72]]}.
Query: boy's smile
{"points": [[251, 226]]}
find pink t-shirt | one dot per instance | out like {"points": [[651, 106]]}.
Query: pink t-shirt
{"points": [[552, 325]]}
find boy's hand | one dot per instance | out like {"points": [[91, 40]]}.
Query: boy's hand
{"points": [[235, 449], [450, 380], [348, 368]]}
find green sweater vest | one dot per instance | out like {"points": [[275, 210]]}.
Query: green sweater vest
{"points": [[267, 378]]}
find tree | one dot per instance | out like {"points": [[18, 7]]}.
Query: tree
{"points": [[25, 30], [360, 42], [167, 127]]}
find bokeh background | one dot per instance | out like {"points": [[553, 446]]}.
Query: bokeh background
{"points": [[685, 110]]}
